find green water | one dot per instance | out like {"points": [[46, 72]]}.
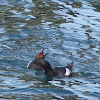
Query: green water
{"points": [[70, 29]]}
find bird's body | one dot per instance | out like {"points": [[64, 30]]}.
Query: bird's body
{"points": [[57, 71], [42, 64]]}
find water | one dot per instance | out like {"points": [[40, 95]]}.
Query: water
{"points": [[70, 29]]}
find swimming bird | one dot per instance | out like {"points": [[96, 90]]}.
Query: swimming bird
{"points": [[33, 63], [56, 71]]}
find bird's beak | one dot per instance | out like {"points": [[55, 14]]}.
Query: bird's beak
{"points": [[45, 54], [42, 53]]}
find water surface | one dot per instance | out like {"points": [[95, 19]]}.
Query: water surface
{"points": [[70, 29]]}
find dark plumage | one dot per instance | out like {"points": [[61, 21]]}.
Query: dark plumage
{"points": [[57, 71], [33, 64]]}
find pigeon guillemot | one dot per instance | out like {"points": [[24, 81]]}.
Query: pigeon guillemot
{"points": [[57, 71], [33, 64]]}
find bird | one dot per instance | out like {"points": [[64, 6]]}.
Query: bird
{"points": [[33, 63], [56, 71]]}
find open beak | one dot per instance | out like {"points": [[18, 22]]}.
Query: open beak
{"points": [[42, 53], [45, 54]]}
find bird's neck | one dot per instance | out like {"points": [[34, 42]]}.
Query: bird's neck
{"points": [[49, 71]]}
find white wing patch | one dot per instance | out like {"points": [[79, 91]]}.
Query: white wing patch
{"points": [[29, 64], [68, 72]]}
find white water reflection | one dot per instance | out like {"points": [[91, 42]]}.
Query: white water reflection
{"points": [[85, 16]]}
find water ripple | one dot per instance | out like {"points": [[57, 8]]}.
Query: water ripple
{"points": [[70, 31]]}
